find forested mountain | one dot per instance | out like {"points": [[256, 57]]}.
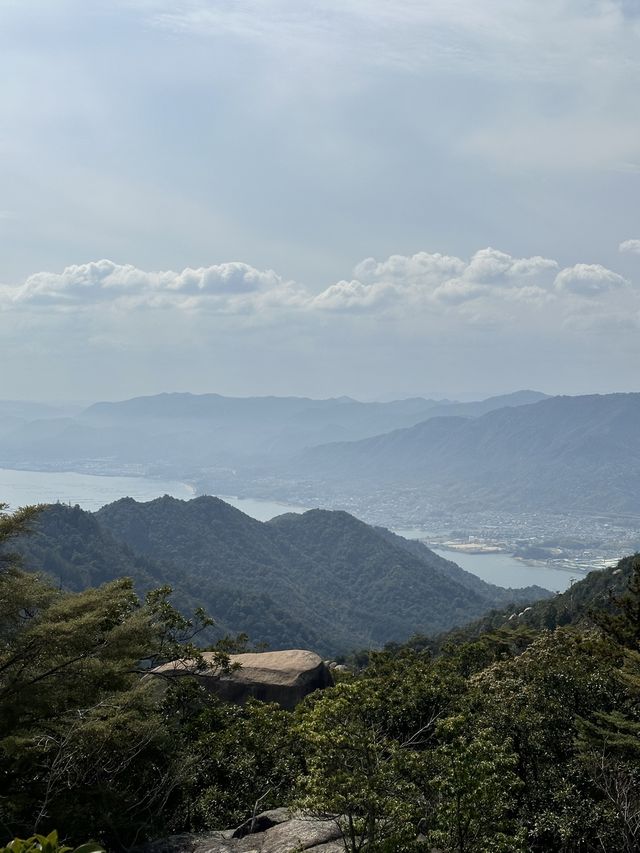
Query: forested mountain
{"points": [[76, 551], [515, 740], [563, 453], [322, 580], [183, 433]]}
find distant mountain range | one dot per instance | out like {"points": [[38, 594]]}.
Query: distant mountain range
{"points": [[183, 434], [565, 454], [522, 452], [322, 580]]}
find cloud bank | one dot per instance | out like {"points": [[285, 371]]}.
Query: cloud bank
{"points": [[492, 321], [402, 286], [227, 288]]}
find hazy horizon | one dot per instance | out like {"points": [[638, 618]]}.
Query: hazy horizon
{"points": [[453, 397]]}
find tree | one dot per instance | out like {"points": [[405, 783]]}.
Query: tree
{"points": [[236, 760], [477, 787], [83, 743], [356, 773], [535, 702], [621, 620], [608, 740]]}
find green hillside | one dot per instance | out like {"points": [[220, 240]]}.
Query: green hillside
{"points": [[573, 608], [521, 740], [76, 552], [322, 580]]}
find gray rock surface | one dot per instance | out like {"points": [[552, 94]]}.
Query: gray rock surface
{"points": [[262, 822], [299, 834], [292, 835], [285, 677]]}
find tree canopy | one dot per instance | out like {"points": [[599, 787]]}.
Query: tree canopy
{"points": [[521, 738]]}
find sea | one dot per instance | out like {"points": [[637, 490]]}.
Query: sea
{"points": [[92, 491]]}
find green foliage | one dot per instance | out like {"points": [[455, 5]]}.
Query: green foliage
{"points": [[621, 621], [608, 741], [82, 738], [537, 747], [78, 730], [535, 701], [357, 771], [13, 525], [477, 787], [584, 604], [234, 759], [512, 739], [48, 844]]}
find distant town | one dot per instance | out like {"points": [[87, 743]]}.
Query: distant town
{"points": [[570, 541]]}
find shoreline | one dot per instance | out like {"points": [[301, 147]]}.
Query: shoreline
{"points": [[526, 561], [90, 497]]}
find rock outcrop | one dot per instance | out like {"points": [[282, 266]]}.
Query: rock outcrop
{"points": [[284, 677], [285, 833]]}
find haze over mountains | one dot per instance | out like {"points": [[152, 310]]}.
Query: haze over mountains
{"points": [[395, 463], [560, 454], [321, 580], [184, 433]]}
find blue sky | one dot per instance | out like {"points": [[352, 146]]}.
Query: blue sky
{"points": [[370, 196]]}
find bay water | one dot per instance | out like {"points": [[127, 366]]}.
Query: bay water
{"points": [[91, 491]]}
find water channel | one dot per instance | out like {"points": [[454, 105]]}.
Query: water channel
{"points": [[91, 491]]}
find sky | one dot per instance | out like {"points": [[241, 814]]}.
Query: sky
{"points": [[364, 197]]}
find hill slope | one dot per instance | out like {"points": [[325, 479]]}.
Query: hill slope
{"points": [[76, 551], [573, 607], [189, 432], [322, 580], [581, 453]]}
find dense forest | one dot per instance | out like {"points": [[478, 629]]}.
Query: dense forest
{"points": [[322, 580], [523, 735]]}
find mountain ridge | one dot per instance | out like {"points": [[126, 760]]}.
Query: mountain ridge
{"points": [[182, 433], [321, 579], [581, 453]]}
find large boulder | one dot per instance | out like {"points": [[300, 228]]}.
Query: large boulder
{"points": [[285, 833], [284, 677]]}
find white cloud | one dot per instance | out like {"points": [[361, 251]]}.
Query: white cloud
{"points": [[227, 286], [355, 296], [239, 329], [588, 280], [432, 279], [498, 269], [630, 246], [408, 289], [422, 268], [458, 290]]}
